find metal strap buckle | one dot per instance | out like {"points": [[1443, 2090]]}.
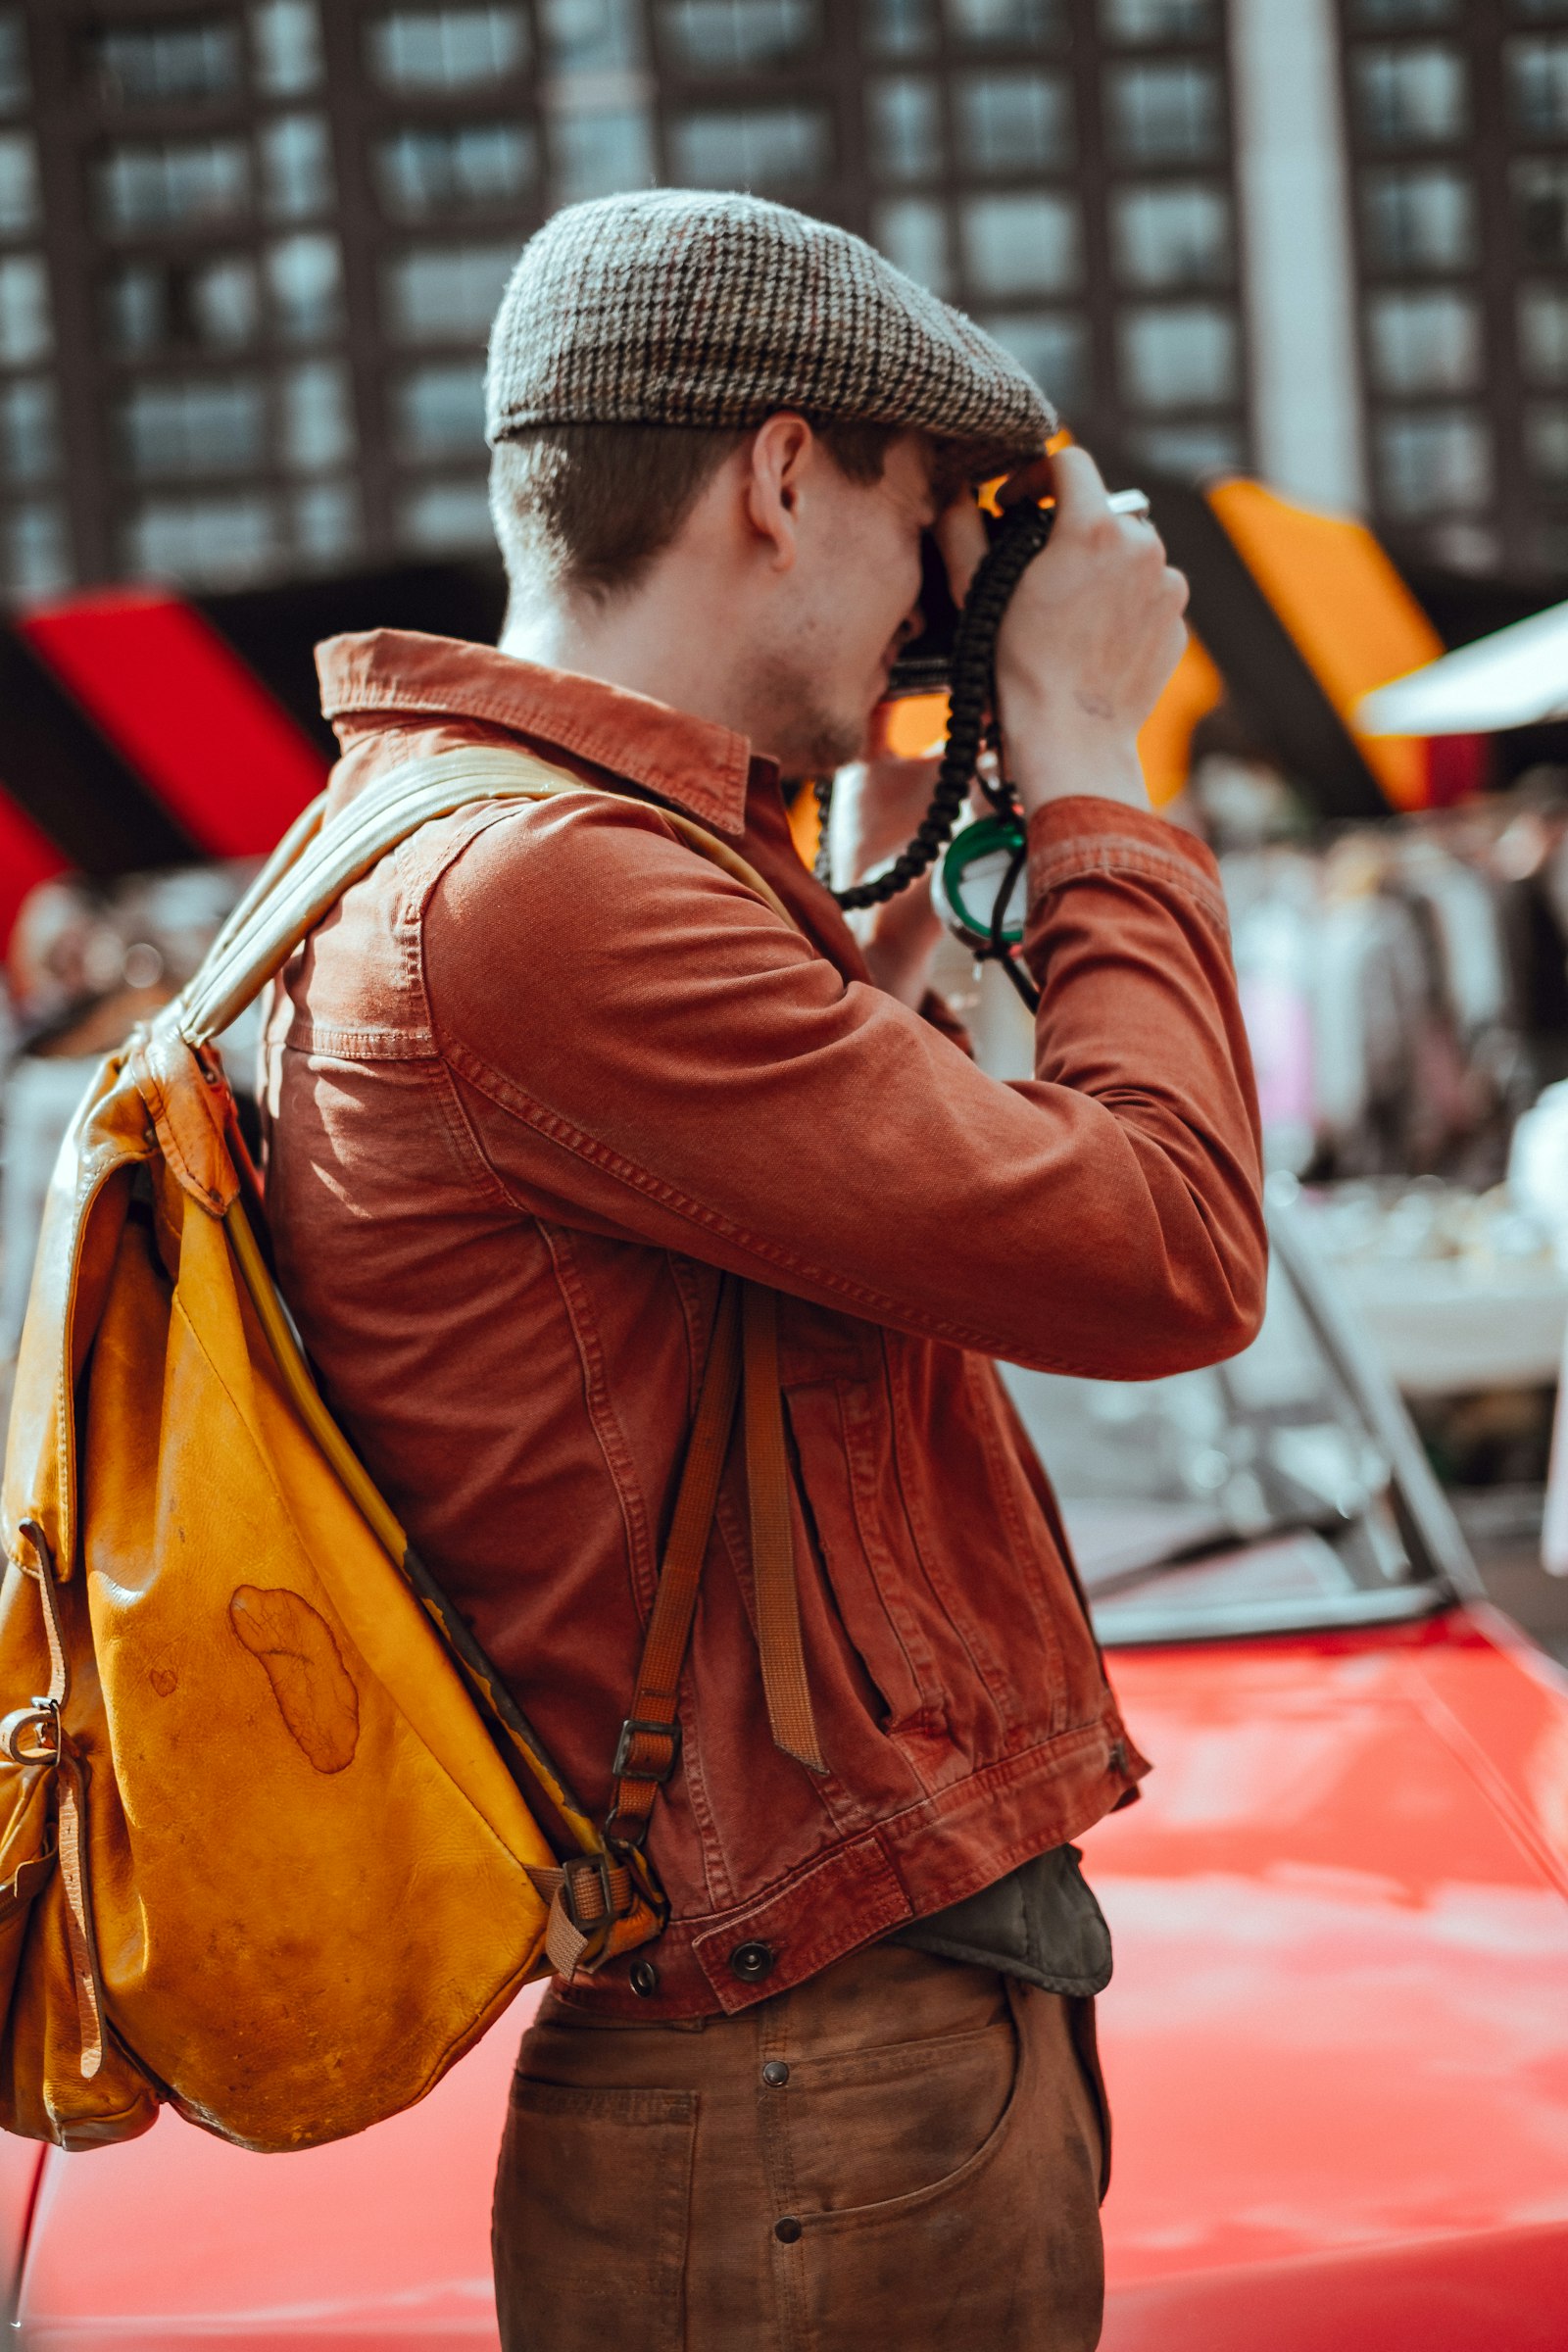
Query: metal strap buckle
{"points": [[580, 1867], [622, 1768], [32, 1735]]}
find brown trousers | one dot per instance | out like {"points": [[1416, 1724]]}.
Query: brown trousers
{"points": [[904, 2155]]}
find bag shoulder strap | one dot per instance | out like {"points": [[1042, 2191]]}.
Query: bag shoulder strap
{"points": [[317, 861], [596, 1899]]}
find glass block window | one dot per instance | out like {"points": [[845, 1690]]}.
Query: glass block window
{"points": [[1538, 79], [305, 287], [326, 520], [447, 293], [316, 417], [1006, 23], [905, 122], [729, 36], [174, 183], [1414, 96], [18, 183], [1020, 244], [447, 48], [1053, 345], [912, 232], [1546, 443], [1015, 121], [447, 517], [1541, 208], [1378, 15], [452, 168], [29, 430], [597, 152], [36, 550], [1433, 461], [1165, 113], [899, 28], [750, 147], [27, 326], [206, 542], [192, 425], [438, 412], [1131, 21], [296, 152], [1423, 217], [1194, 449], [285, 46], [1544, 334], [1171, 234], [592, 36], [15, 84], [1179, 356], [143, 65], [1424, 342], [208, 303]]}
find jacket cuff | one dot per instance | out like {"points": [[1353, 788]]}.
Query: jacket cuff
{"points": [[1083, 835]]}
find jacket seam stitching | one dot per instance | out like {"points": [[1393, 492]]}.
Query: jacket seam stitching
{"points": [[555, 1128], [559, 732], [1052, 869]]}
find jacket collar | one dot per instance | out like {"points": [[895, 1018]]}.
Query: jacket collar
{"points": [[693, 763]]}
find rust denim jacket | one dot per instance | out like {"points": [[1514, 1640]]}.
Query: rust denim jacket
{"points": [[542, 1074]]}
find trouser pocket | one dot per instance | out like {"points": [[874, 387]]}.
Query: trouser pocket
{"points": [[592, 2210], [1002, 2250]]}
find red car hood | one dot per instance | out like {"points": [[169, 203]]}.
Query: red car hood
{"points": [[1336, 2045]]}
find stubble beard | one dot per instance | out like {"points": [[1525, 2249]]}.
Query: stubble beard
{"points": [[805, 734]]}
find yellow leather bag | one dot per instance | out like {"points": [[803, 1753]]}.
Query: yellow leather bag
{"points": [[267, 1824]]}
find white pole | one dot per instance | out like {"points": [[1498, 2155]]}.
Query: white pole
{"points": [[1295, 249]]}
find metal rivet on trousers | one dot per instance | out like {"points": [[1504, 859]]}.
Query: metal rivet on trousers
{"points": [[775, 2074], [752, 1961], [787, 2230], [644, 1978]]}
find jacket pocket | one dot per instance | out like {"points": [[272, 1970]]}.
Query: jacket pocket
{"points": [[591, 2218], [842, 1471]]}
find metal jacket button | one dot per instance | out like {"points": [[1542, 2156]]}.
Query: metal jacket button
{"points": [[775, 2074], [752, 1961], [787, 2230], [644, 1978]]}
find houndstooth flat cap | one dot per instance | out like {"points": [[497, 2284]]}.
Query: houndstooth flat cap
{"points": [[670, 307]]}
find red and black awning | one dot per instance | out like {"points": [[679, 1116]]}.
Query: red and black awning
{"points": [[139, 728]]}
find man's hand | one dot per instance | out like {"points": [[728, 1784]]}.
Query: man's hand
{"points": [[877, 805], [1086, 645]]}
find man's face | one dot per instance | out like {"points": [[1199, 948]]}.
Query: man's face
{"points": [[845, 608]]}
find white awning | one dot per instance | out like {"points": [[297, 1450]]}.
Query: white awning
{"points": [[1515, 678]]}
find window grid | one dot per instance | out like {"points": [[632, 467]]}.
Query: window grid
{"points": [[454, 133], [1461, 237]]}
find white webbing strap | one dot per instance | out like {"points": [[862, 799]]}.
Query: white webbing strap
{"points": [[315, 862]]}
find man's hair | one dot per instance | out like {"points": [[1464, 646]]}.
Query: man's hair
{"points": [[586, 508]]}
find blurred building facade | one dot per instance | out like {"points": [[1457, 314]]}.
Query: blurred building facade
{"points": [[248, 252]]}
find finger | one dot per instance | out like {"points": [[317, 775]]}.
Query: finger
{"points": [[960, 534], [1082, 498]]}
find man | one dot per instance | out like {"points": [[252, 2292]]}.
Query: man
{"points": [[549, 1074]]}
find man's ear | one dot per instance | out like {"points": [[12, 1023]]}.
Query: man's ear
{"points": [[781, 455]]}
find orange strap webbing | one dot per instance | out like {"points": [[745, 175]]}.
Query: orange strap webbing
{"points": [[650, 1739], [592, 1897]]}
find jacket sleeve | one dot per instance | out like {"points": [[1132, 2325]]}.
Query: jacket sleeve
{"points": [[639, 1046]]}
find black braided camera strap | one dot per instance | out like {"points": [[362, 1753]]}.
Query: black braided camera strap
{"points": [[1024, 531]]}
